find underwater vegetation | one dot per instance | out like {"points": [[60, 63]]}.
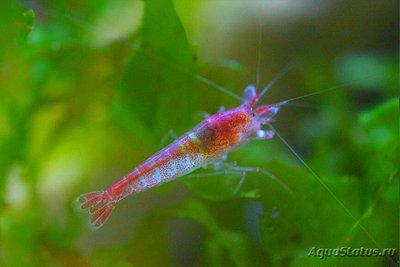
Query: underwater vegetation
{"points": [[88, 91]]}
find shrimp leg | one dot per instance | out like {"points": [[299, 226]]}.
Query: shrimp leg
{"points": [[231, 168], [244, 170], [169, 135], [206, 115], [222, 167]]}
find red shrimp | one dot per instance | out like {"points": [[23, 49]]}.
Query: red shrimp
{"points": [[207, 143]]}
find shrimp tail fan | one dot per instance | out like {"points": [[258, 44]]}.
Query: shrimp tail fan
{"points": [[99, 204]]}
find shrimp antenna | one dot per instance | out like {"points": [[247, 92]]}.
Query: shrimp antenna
{"points": [[315, 93], [80, 23], [313, 173], [327, 90], [282, 73], [259, 48], [189, 73], [259, 59], [218, 87]]}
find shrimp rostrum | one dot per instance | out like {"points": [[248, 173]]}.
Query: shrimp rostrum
{"points": [[205, 145]]}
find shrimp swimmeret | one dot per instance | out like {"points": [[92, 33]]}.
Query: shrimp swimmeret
{"points": [[205, 144]]}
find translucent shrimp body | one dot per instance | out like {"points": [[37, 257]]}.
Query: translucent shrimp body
{"points": [[204, 144]]}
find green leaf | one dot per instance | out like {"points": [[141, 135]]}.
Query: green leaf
{"points": [[379, 144], [221, 240], [159, 77]]}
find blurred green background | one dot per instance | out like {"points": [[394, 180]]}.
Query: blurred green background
{"points": [[89, 88]]}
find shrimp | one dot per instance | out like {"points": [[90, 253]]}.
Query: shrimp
{"points": [[206, 143]]}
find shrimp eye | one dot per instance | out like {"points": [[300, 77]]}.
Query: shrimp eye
{"points": [[253, 114]]}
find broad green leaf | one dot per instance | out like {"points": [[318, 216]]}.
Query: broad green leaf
{"points": [[158, 78]]}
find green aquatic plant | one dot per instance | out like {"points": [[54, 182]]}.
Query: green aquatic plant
{"points": [[81, 105]]}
